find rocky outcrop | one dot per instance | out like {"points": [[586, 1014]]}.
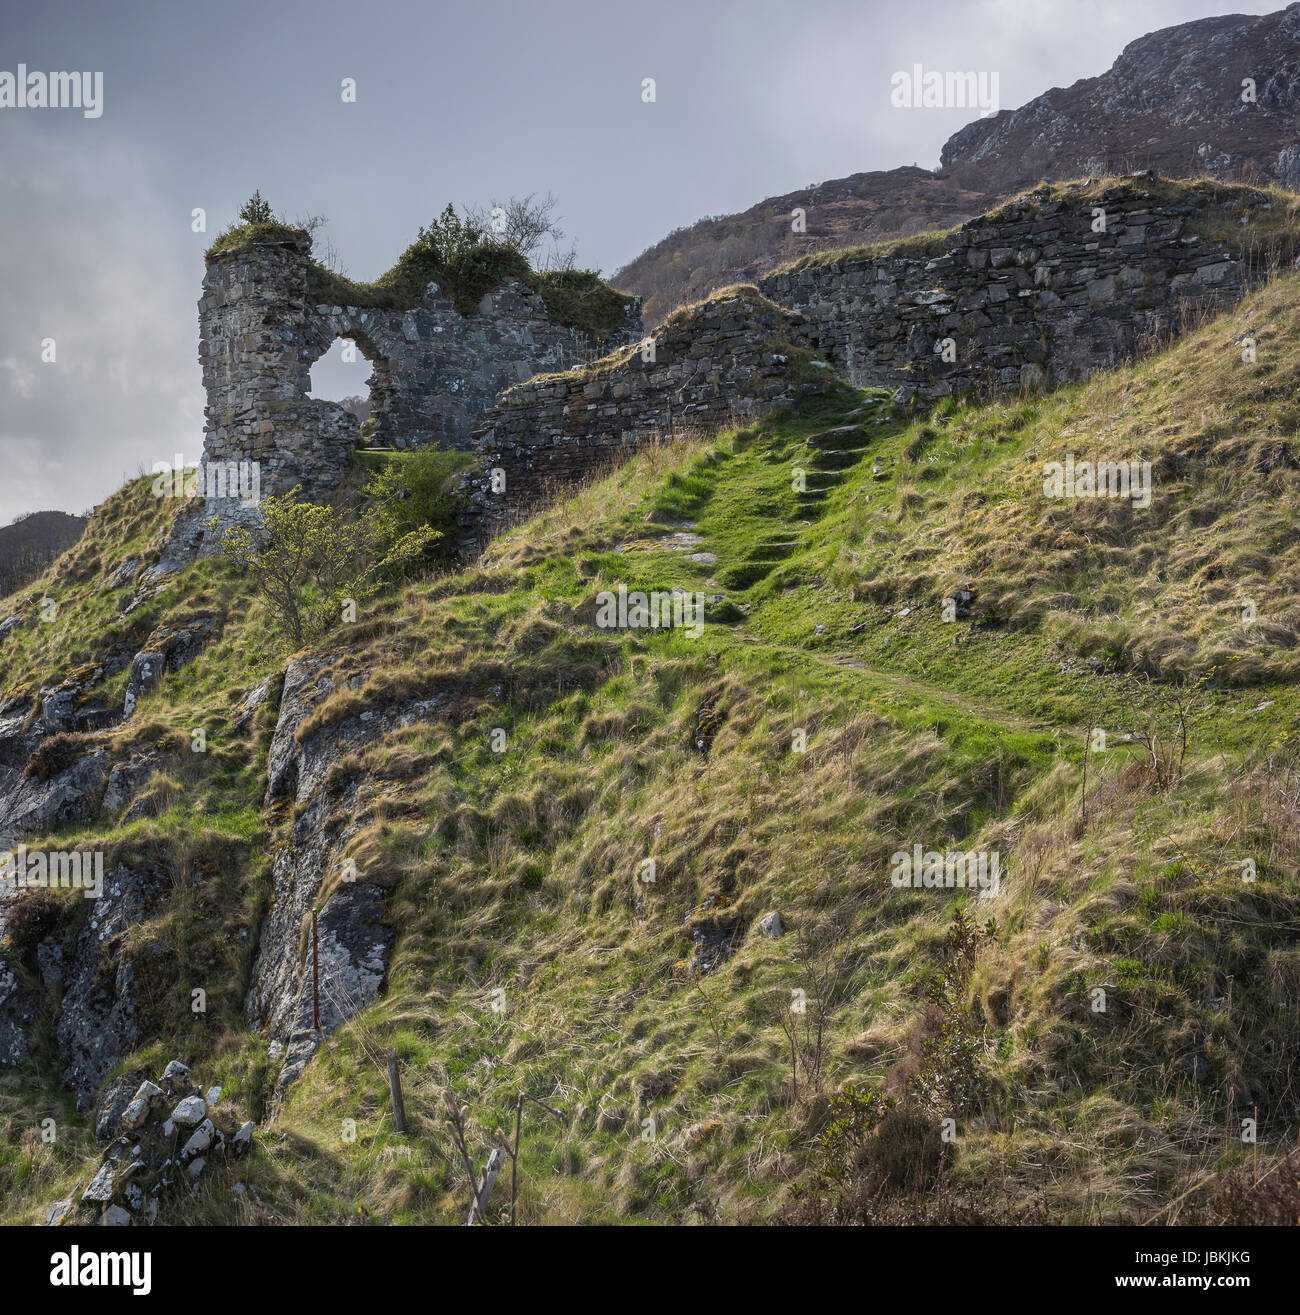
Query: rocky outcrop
{"points": [[29, 806], [353, 939], [127, 780], [17, 1014], [1175, 101], [99, 1019], [10, 624], [169, 648]]}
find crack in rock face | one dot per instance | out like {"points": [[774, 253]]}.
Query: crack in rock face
{"points": [[353, 940]]}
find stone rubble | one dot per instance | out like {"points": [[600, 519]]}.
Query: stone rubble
{"points": [[163, 1141]]}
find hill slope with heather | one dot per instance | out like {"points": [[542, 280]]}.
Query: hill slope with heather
{"points": [[568, 841]]}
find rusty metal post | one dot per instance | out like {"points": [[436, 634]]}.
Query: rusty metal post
{"points": [[315, 975]]}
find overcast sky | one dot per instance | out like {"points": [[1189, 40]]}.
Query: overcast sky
{"points": [[463, 102]]}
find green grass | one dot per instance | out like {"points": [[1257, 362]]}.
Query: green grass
{"points": [[518, 870]]}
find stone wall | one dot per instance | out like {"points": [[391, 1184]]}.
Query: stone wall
{"points": [[724, 360], [1028, 296], [262, 328]]}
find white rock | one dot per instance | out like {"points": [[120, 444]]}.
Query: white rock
{"points": [[770, 924], [190, 1112], [176, 1076], [134, 1115], [58, 1212], [214, 1095], [196, 1168], [115, 1217], [200, 1140], [243, 1139], [147, 1091], [169, 1128], [101, 1185]]}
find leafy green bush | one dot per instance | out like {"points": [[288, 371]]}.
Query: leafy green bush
{"points": [[414, 493], [854, 1115]]}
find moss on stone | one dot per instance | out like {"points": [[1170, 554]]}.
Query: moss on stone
{"points": [[916, 246], [240, 236], [583, 300], [1272, 216]]}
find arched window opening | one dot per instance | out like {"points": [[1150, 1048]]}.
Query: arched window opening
{"points": [[342, 375]]}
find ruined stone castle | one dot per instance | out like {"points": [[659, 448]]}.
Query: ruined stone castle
{"points": [[1054, 286]]}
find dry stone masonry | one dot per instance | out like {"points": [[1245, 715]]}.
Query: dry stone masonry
{"points": [[1030, 295], [162, 1137], [1054, 286], [725, 359], [262, 328]]}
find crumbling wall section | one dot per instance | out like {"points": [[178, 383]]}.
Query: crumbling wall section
{"points": [[725, 360], [1034, 294], [263, 325]]}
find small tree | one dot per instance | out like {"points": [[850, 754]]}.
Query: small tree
{"points": [[521, 223], [256, 211], [308, 563], [450, 238], [412, 496]]}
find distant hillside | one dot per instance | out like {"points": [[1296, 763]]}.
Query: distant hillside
{"points": [[1172, 101], [865, 207], [32, 542]]}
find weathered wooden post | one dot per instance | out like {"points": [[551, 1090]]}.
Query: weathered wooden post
{"points": [[395, 1090], [486, 1183]]}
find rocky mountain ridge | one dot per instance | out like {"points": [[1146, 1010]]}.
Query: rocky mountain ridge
{"points": [[1172, 102]]}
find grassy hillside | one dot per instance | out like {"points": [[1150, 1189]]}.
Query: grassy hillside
{"points": [[827, 716]]}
